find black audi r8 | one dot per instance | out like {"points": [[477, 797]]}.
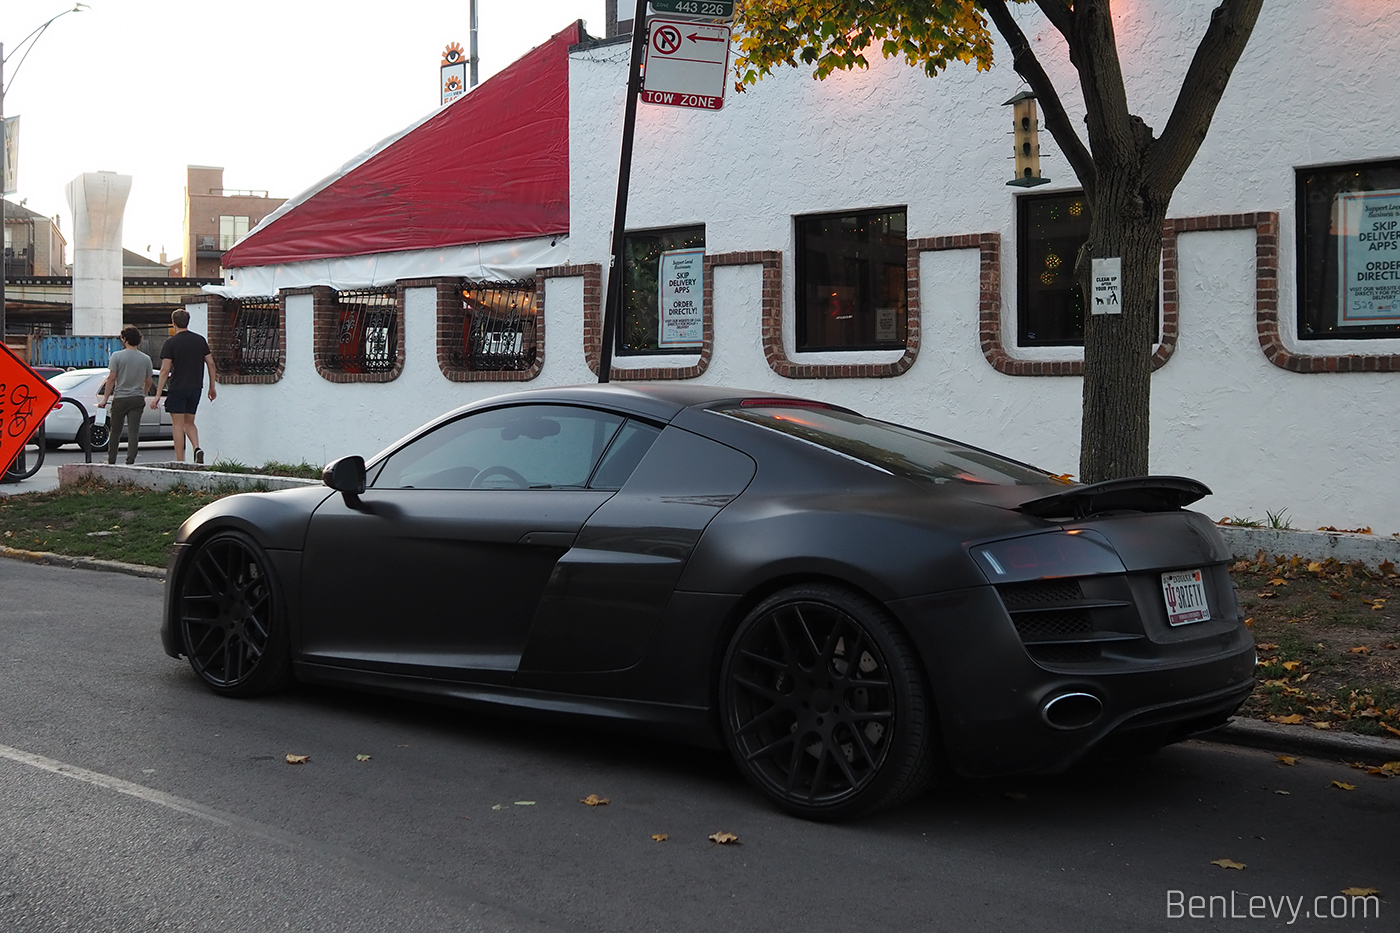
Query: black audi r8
{"points": [[846, 604]]}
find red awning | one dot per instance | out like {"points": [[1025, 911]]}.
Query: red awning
{"points": [[493, 165]]}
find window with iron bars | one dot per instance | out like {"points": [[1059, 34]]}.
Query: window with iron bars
{"points": [[497, 329], [365, 337], [250, 344]]}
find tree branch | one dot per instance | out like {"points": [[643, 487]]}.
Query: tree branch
{"points": [[1231, 24], [1056, 120], [1093, 49]]}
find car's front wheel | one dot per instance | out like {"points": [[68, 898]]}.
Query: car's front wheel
{"points": [[231, 617], [824, 705]]}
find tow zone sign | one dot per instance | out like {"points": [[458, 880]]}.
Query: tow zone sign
{"points": [[686, 65]]}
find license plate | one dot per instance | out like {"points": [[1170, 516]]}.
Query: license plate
{"points": [[1185, 595]]}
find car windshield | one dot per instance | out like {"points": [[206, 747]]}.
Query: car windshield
{"points": [[900, 450], [71, 380]]}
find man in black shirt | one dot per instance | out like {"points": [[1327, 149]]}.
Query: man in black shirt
{"points": [[183, 360]]}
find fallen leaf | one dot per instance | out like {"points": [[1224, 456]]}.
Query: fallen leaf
{"points": [[1283, 793], [1265, 595], [1304, 677], [1360, 649], [1337, 596], [1289, 760], [1227, 863], [1278, 581], [593, 800], [659, 837], [1377, 604], [1361, 892], [298, 759], [1343, 785], [524, 803], [362, 758], [1266, 646], [724, 839], [498, 807], [1389, 728], [1292, 665], [1290, 720], [1321, 725], [1314, 567], [1386, 567]]}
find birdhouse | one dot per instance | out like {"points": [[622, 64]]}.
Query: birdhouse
{"points": [[1027, 135]]}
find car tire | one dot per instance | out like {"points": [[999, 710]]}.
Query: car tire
{"points": [[231, 619], [824, 706]]}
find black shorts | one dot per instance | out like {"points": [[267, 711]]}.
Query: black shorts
{"points": [[183, 401]]}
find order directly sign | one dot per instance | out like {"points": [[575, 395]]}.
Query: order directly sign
{"points": [[687, 64], [25, 401], [681, 299], [1369, 257], [1108, 285]]}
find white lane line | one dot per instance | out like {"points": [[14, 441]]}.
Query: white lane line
{"points": [[139, 791], [517, 916]]}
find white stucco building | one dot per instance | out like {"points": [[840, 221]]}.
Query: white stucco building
{"points": [[861, 246]]}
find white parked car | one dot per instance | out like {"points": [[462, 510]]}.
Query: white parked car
{"points": [[63, 423]]}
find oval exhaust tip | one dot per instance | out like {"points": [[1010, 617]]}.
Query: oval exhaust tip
{"points": [[1072, 711]]}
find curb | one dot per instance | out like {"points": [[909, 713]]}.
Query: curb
{"points": [[174, 473], [1297, 740], [1344, 546], [83, 563]]}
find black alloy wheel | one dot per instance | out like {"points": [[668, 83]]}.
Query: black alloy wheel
{"points": [[231, 617], [824, 706]]}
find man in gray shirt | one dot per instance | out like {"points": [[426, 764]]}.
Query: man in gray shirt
{"points": [[129, 379]]}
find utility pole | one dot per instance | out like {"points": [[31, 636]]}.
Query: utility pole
{"points": [[474, 59], [612, 306]]}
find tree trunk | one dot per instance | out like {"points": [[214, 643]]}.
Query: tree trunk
{"points": [[1118, 347]]}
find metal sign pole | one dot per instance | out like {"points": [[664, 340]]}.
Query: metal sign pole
{"points": [[613, 304]]}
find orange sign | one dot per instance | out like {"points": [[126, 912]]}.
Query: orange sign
{"points": [[25, 401]]}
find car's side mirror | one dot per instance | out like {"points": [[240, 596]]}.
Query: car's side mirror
{"points": [[347, 477]]}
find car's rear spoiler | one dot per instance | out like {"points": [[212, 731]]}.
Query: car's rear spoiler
{"points": [[1136, 494]]}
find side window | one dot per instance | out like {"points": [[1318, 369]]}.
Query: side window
{"points": [[625, 452], [852, 279], [521, 447], [662, 292], [1050, 230], [1349, 251]]}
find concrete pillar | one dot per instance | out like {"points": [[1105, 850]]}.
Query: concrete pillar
{"points": [[98, 201]]}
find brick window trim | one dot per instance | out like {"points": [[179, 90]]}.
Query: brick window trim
{"points": [[219, 332], [593, 329], [324, 317], [1266, 261], [449, 308], [1266, 322]]}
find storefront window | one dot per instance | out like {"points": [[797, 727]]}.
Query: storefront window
{"points": [[662, 313], [364, 338], [1349, 251], [852, 273], [1050, 230]]}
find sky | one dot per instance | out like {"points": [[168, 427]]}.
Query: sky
{"points": [[279, 93]]}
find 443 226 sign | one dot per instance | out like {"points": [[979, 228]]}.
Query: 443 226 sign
{"points": [[709, 9]]}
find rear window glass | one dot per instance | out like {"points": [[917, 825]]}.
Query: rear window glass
{"points": [[65, 381], [900, 450]]}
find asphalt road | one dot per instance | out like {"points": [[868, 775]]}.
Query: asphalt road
{"points": [[131, 799]]}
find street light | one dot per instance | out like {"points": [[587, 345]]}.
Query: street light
{"points": [[27, 43]]}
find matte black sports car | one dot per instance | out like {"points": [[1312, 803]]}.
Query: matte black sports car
{"points": [[846, 604]]}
